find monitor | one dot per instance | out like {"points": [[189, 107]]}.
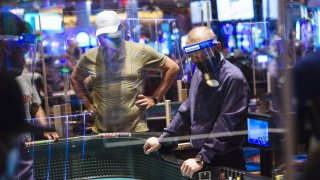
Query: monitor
{"points": [[229, 10], [52, 22], [199, 12], [258, 129], [56, 22], [262, 58], [32, 19]]}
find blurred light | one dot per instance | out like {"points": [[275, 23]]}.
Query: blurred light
{"points": [[228, 29], [57, 62], [245, 43], [65, 70], [17, 11], [183, 41], [239, 27], [93, 41], [45, 43], [55, 44], [142, 41], [63, 61], [83, 39], [175, 30], [298, 30], [262, 58]]}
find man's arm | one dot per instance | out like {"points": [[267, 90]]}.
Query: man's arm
{"points": [[41, 117], [38, 112], [178, 126], [231, 118], [170, 70], [77, 80]]}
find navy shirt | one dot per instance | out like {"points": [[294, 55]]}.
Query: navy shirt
{"points": [[210, 110]]}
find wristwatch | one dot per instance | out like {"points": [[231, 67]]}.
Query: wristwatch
{"points": [[199, 159]]}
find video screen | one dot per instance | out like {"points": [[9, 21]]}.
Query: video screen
{"points": [[258, 133], [262, 58], [55, 22], [199, 11], [235, 10]]}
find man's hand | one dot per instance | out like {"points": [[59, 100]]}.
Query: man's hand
{"points": [[190, 166], [152, 144], [144, 102], [51, 135]]}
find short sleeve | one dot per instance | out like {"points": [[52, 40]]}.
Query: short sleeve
{"points": [[35, 96], [87, 62], [152, 58]]}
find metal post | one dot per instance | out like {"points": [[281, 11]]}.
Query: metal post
{"points": [[167, 104], [208, 14], [179, 87], [287, 88], [254, 75], [44, 73]]}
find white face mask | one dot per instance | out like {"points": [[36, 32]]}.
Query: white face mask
{"points": [[11, 164]]}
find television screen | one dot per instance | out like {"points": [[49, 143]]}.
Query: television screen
{"points": [[270, 9], [258, 131], [32, 18], [235, 10], [199, 11], [49, 22], [262, 58], [55, 24]]}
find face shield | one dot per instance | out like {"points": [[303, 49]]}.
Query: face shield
{"points": [[15, 51], [206, 60]]}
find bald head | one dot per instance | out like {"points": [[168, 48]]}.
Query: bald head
{"points": [[199, 34]]}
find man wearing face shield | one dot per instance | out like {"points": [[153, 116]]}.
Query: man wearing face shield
{"points": [[217, 103], [15, 41], [117, 67]]}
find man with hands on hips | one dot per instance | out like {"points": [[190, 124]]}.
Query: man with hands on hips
{"points": [[117, 69], [217, 103]]}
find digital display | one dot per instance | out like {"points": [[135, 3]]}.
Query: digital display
{"points": [[262, 58], [270, 9], [199, 11], [55, 21], [32, 18], [258, 132], [54, 25], [235, 10]]}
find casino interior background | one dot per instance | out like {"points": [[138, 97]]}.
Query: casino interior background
{"points": [[255, 36]]}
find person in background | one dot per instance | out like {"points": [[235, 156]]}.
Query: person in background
{"points": [[32, 101], [117, 69], [73, 53], [14, 44], [216, 106]]}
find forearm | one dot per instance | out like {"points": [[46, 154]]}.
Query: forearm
{"points": [[40, 115], [166, 82], [180, 123], [81, 90]]}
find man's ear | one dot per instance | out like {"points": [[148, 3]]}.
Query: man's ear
{"points": [[219, 46]]}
